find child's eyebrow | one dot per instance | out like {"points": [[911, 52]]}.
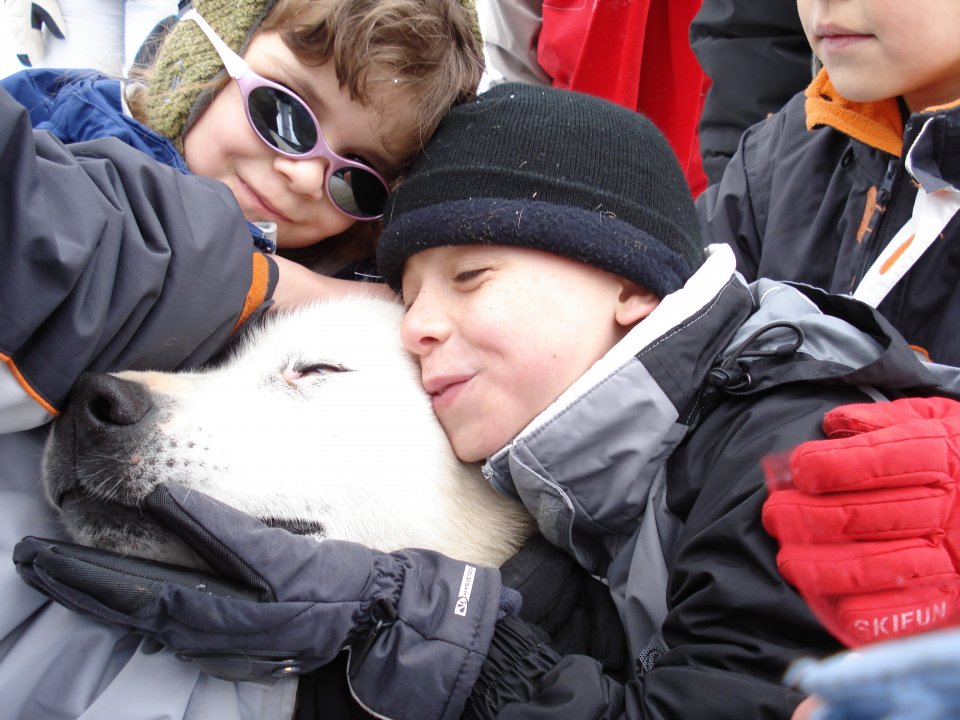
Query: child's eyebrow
{"points": [[291, 78]]}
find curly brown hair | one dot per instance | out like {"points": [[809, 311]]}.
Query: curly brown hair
{"points": [[416, 57]]}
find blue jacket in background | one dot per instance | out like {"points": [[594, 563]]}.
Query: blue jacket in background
{"points": [[80, 105]]}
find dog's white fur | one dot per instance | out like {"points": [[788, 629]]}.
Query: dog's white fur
{"points": [[318, 419]]}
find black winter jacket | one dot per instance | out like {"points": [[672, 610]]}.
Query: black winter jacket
{"points": [[111, 260], [757, 58], [817, 191]]}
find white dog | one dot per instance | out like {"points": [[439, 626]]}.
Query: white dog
{"points": [[317, 423]]}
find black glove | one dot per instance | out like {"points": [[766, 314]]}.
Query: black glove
{"points": [[418, 624], [574, 608]]}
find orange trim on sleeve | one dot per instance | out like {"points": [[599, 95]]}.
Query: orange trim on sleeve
{"points": [[257, 293], [878, 124], [27, 388]]}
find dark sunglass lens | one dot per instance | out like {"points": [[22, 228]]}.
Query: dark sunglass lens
{"points": [[357, 192], [282, 120]]}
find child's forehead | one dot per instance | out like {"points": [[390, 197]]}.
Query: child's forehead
{"points": [[448, 253], [459, 257]]}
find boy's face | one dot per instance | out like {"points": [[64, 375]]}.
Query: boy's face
{"points": [[878, 49], [267, 185], [501, 332]]}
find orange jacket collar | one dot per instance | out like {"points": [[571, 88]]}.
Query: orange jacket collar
{"points": [[878, 124]]}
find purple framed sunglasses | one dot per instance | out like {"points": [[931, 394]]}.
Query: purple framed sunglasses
{"points": [[287, 126]]}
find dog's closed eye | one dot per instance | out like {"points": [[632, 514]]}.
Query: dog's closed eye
{"points": [[296, 372], [318, 369]]}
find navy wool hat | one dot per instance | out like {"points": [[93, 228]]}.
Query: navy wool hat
{"points": [[554, 170]]}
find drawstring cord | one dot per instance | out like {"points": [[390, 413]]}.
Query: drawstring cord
{"points": [[731, 374]]}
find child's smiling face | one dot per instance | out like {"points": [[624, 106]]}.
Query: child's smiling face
{"points": [[879, 49], [501, 332], [268, 186]]}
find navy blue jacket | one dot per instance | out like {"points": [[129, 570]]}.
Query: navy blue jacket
{"points": [[817, 191]]}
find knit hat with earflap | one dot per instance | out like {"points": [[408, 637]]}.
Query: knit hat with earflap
{"points": [[554, 170], [187, 61]]}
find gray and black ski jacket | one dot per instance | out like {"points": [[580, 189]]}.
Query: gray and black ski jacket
{"points": [[648, 471]]}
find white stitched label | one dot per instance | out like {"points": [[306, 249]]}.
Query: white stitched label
{"points": [[466, 587]]}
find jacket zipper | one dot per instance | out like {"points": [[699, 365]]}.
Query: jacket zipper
{"points": [[384, 615], [874, 246]]}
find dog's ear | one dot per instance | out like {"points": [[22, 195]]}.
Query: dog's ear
{"points": [[235, 341]]}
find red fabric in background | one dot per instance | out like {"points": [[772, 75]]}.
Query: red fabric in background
{"points": [[637, 54]]}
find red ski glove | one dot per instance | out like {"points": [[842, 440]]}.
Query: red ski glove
{"points": [[868, 520]]}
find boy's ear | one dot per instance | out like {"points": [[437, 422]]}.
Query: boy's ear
{"points": [[634, 304]]}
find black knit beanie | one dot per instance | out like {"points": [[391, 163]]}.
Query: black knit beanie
{"points": [[554, 170]]}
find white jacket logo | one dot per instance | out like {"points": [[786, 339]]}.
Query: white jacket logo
{"points": [[466, 587]]}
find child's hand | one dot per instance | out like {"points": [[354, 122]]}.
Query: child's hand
{"points": [[276, 604], [805, 709], [298, 285]]}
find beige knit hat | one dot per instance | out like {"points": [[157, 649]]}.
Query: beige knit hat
{"points": [[186, 61]]}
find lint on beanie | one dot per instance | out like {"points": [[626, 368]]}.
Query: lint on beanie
{"points": [[554, 170]]}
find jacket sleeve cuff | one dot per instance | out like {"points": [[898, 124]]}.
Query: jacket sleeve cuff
{"points": [[262, 284], [518, 657], [424, 665]]}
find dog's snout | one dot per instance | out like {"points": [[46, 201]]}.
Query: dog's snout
{"points": [[105, 401]]}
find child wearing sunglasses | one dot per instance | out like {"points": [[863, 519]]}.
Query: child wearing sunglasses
{"points": [[307, 130], [129, 244]]}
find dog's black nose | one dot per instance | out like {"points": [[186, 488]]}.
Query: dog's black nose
{"points": [[101, 401]]}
